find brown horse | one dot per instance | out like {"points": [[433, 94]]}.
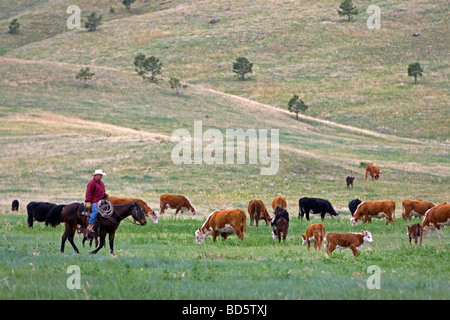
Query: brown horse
{"points": [[72, 218]]}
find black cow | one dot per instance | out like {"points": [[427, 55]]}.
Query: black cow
{"points": [[37, 211], [352, 205], [279, 213], [54, 217], [316, 205], [349, 181], [15, 205]]}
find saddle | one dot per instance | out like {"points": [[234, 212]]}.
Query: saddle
{"points": [[82, 210]]}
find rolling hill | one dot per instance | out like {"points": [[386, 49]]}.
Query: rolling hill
{"points": [[363, 108]]}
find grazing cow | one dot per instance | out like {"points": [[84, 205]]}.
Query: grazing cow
{"points": [[373, 171], [352, 205], [435, 218], [223, 223], [349, 181], [374, 209], [352, 241], [54, 216], [175, 201], [281, 227], [15, 205], [279, 202], [416, 208], [314, 233], [153, 215], [257, 211], [37, 211], [315, 205], [415, 231]]}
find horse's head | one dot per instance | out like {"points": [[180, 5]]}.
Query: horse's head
{"points": [[138, 215]]}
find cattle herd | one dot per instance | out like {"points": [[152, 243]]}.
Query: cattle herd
{"points": [[233, 221]]}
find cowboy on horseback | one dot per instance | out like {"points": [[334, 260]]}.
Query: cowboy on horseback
{"points": [[95, 191]]}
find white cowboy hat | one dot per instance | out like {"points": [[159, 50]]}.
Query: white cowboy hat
{"points": [[99, 171]]}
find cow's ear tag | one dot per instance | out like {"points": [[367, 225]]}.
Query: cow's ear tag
{"points": [[362, 233]]}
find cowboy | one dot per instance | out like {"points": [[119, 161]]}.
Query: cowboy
{"points": [[95, 191]]}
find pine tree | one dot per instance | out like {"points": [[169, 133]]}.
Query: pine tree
{"points": [[127, 3], [296, 105], [242, 66], [93, 21], [14, 26], [414, 70], [145, 65], [85, 74], [347, 9]]}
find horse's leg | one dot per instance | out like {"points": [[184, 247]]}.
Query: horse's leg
{"points": [[102, 242], [64, 238], [111, 242], [70, 235]]}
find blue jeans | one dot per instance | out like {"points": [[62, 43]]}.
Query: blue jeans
{"points": [[94, 212]]}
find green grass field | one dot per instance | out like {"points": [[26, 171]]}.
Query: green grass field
{"points": [[363, 108], [162, 261]]}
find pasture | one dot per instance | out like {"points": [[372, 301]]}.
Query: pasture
{"points": [[363, 108], [162, 261]]}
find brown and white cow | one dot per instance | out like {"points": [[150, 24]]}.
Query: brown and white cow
{"points": [[223, 223], [414, 232], [281, 229], [373, 171], [153, 215], [374, 209], [416, 208], [175, 201], [257, 211], [279, 202], [314, 233], [352, 241], [435, 218]]}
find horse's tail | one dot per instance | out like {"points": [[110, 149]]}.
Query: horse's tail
{"points": [[54, 217]]}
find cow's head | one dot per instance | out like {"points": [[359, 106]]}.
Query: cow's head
{"points": [[367, 236], [304, 240], [354, 221], [274, 234], [192, 211], [153, 216], [201, 235]]}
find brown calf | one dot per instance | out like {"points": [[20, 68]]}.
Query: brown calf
{"points": [[281, 229], [279, 202], [257, 211], [415, 231], [352, 241], [315, 233], [175, 201], [373, 171]]}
